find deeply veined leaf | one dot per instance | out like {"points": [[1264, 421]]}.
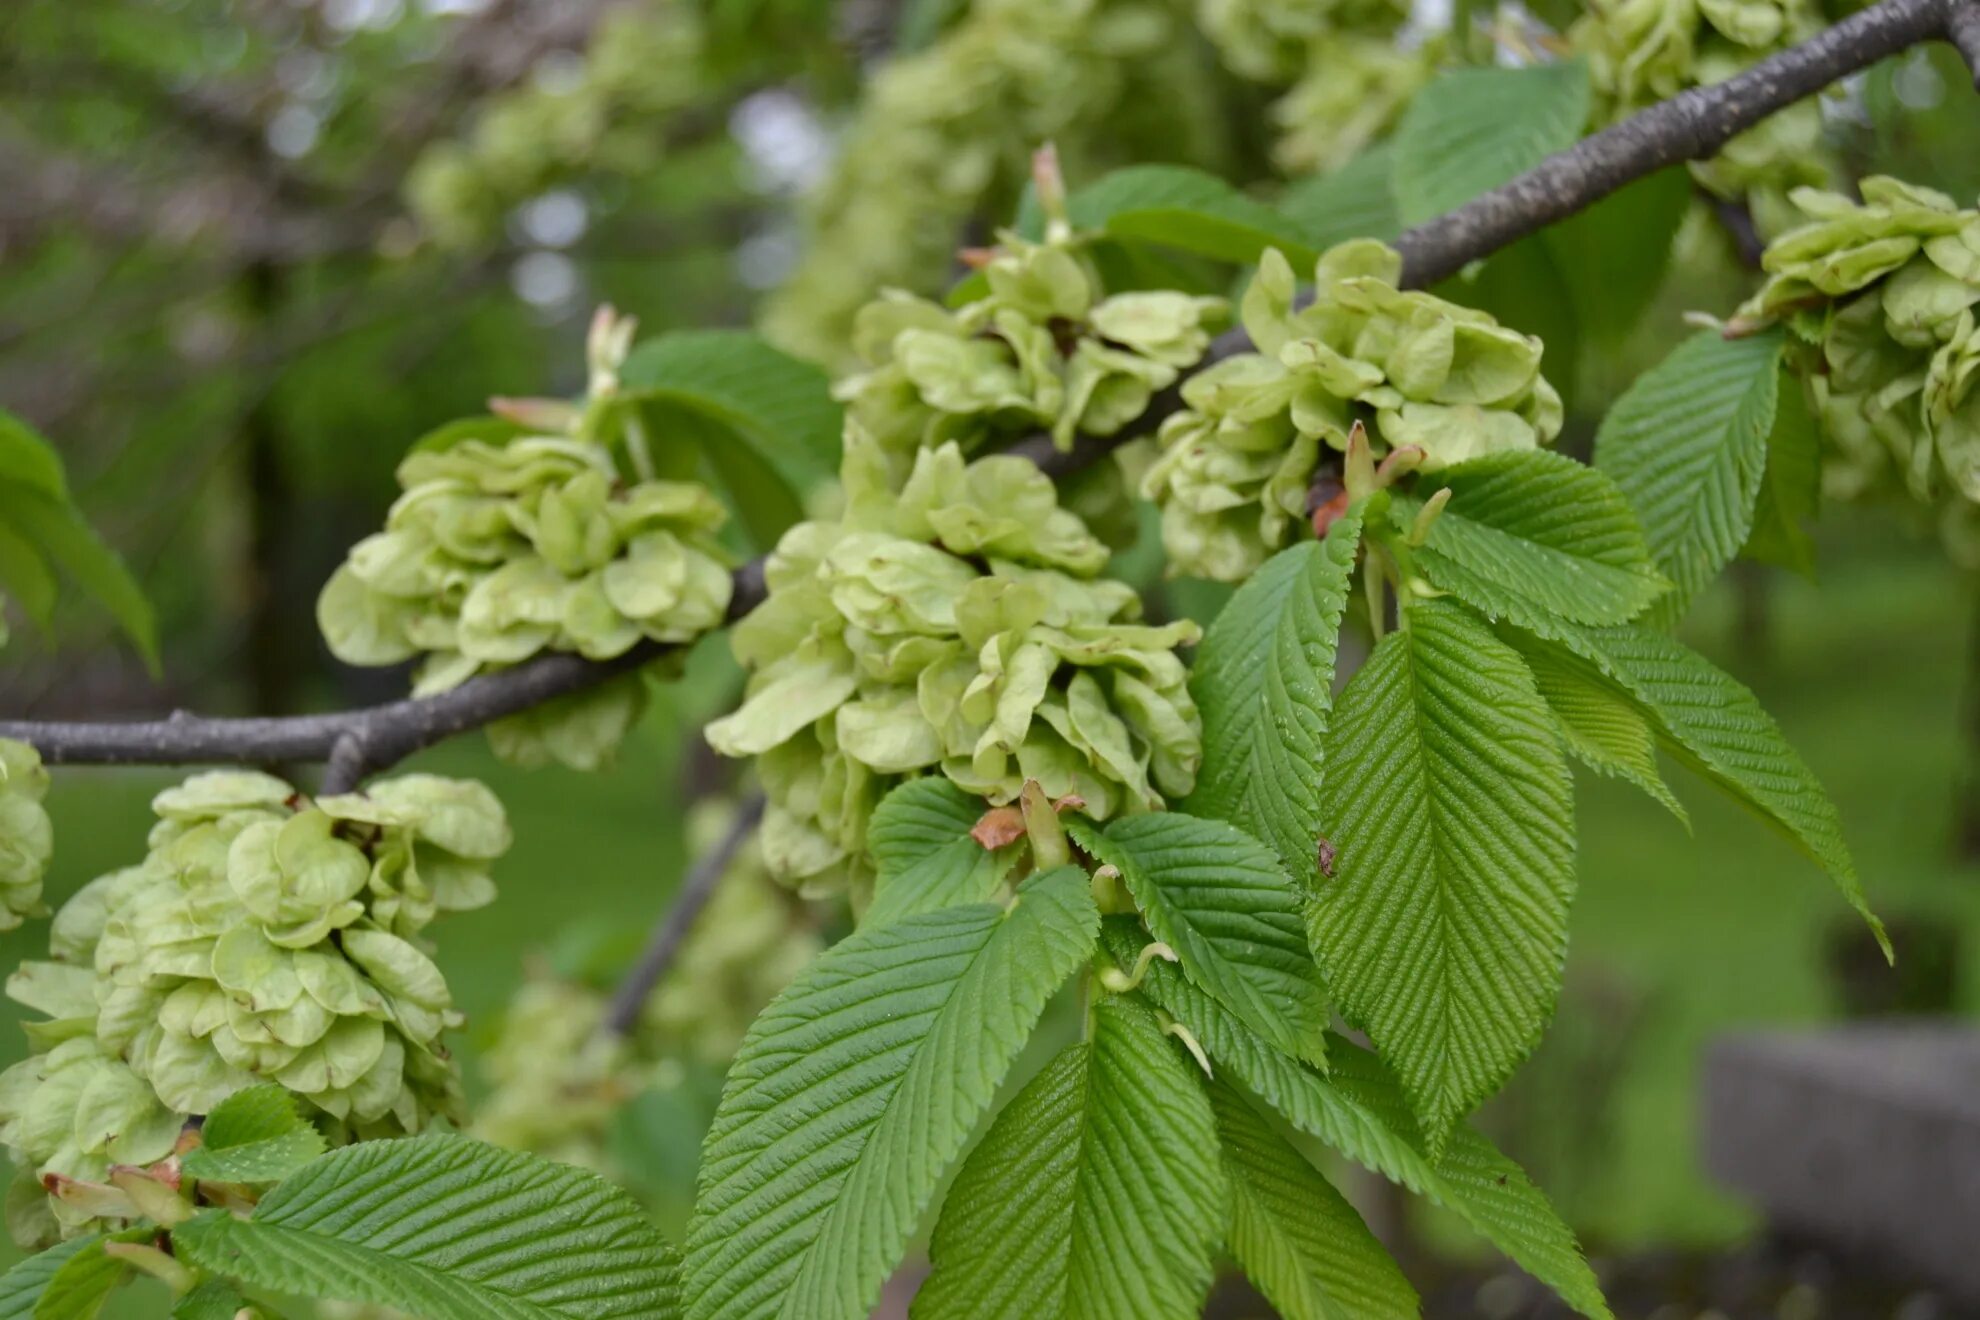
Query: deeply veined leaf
{"points": [[1355, 201], [856, 1089], [1711, 722], [21, 1287], [1264, 680], [919, 837], [1687, 444], [446, 1229], [1790, 489], [1298, 1239], [1474, 129], [1445, 928], [1185, 208], [255, 1135], [1600, 726], [58, 534], [66, 1282], [1359, 1110], [78, 1286], [1096, 1193], [1530, 534], [1234, 918]]}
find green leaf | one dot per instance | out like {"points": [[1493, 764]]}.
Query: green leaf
{"points": [[1095, 1194], [446, 1229], [1445, 928], [1612, 257], [1687, 443], [1713, 724], [1600, 726], [61, 537], [778, 408], [1235, 919], [1263, 679], [1791, 490], [1188, 209], [31, 461], [919, 837], [254, 1136], [1530, 534], [23, 1287], [485, 427], [81, 1282], [1358, 1109], [1474, 129], [1355, 201], [24, 573], [856, 1089], [214, 1299], [1297, 1238]]}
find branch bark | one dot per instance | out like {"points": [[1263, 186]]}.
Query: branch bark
{"points": [[1691, 126], [672, 932]]}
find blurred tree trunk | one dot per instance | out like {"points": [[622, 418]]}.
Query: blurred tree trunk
{"points": [[1966, 801], [1753, 622], [273, 657]]}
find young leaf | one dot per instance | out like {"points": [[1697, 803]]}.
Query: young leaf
{"points": [[1095, 1194], [1445, 928], [1601, 727], [40, 527], [1714, 725], [253, 1136], [1264, 679], [855, 1090], [1359, 1110], [1687, 444], [1473, 129], [76, 1286], [919, 837], [1188, 209], [1235, 919], [1791, 490], [1530, 534], [1297, 1238], [21, 1286], [1355, 201], [776, 409], [446, 1229]]}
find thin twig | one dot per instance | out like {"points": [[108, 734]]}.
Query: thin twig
{"points": [[672, 932], [1691, 126]]}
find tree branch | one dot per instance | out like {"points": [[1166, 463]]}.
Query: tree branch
{"points": [[672, 932], [1691, 126]]}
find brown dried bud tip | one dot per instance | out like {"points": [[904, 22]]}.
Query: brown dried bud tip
{"points": [[1326, 501], [1070, 802], [999, 828], [976, 258], [1327, 855]]}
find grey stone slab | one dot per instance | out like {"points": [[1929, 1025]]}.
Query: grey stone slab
{"points": [[1866, 1137]]}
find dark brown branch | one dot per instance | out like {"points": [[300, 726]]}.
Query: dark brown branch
{"points": [[672, 932], [1691, 126]]}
